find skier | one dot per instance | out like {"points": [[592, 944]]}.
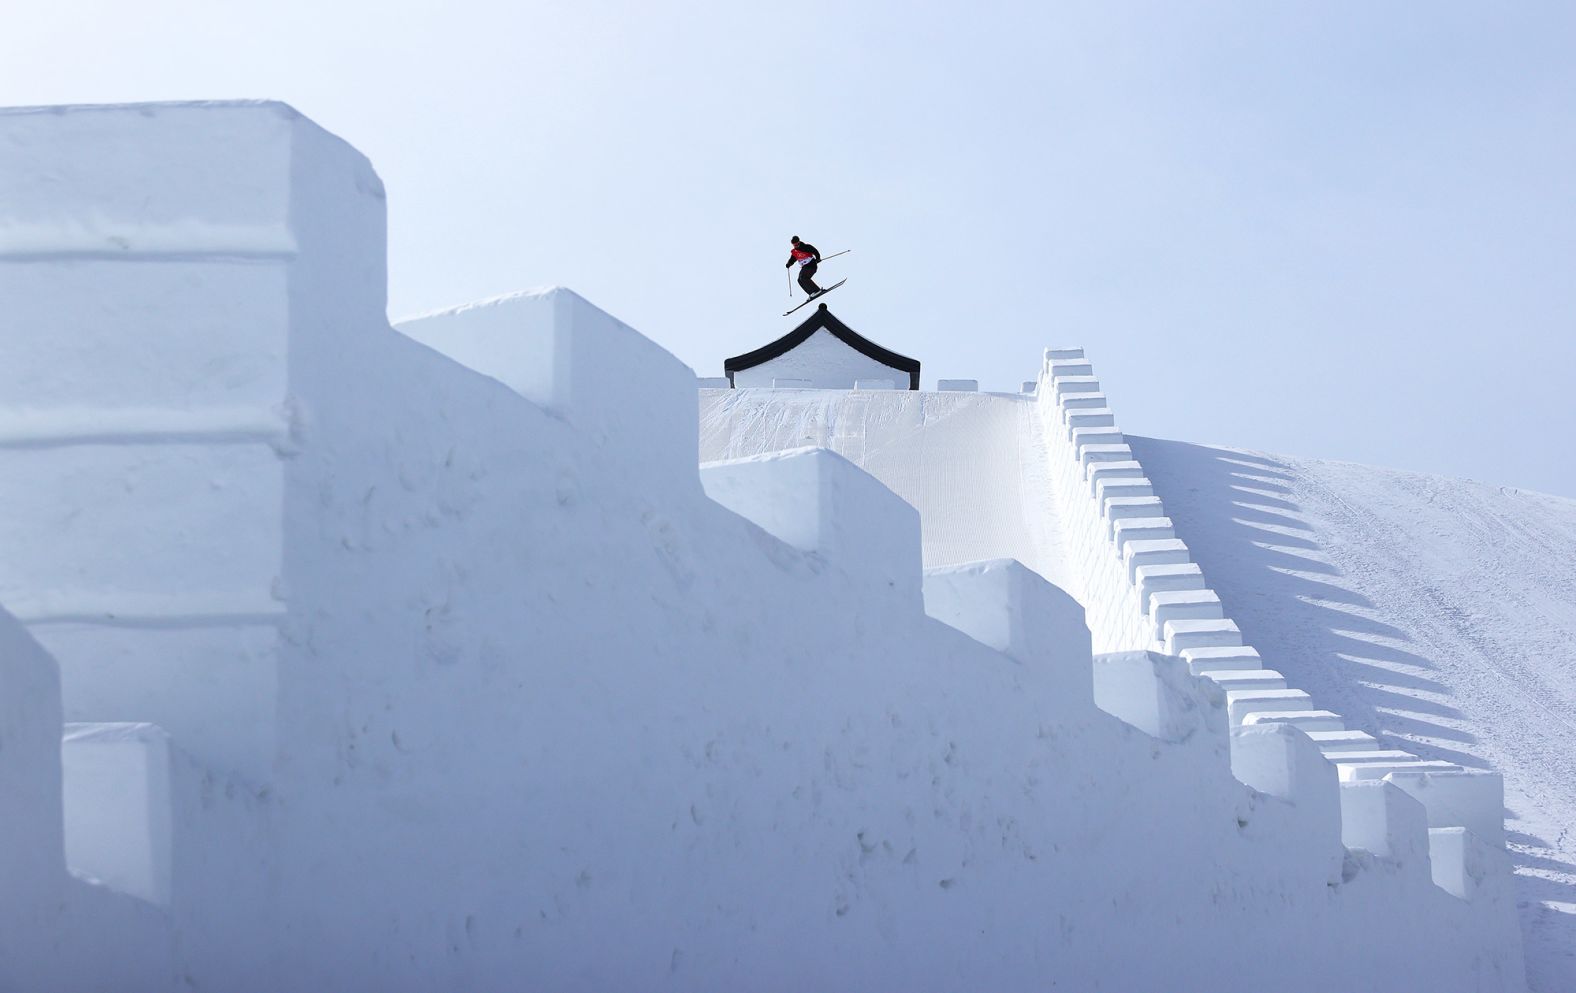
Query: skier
{"points": [[808, 257]]}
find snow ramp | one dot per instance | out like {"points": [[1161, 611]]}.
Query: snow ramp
{"points": [[1436, 614]]}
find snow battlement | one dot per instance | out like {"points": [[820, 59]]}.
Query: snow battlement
{"points": [[361, 658], [1144, 592]]}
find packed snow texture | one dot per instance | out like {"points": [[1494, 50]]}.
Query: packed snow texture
{"points": [[931, 449], [1435, 614], [457, 678]]}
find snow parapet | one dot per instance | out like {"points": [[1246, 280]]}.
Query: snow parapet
{"points": [[817, 501], [1143, 592], [528, 706]]}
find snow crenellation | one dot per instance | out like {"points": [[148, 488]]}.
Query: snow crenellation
{"points": [[474, 655], [1127, 612]]}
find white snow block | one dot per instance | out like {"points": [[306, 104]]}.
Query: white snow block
{"points": [[1110, 487], [1331, 742], [1112, 470], [1279, 760], [1378, 753], [1074, 384], [1468, 867], [958, 385], [874, 384], [1467, 798], [1241, 703], [818, 501], [1238, 657], [1305, 720], [1130, 529], [1058, 368], [1353, 770], [1138, 554], [562, 353], [1091, 417], [1156, 694], [188, 289], [1379, 818], [1119, 508], [1009, 607], [1178, 578], [713, 383], [1082, 436], [1232, 680], [1029, 386], [119, 807], [1090, 454], [1180, 605], [781, 383], [1081, 401], [1063, 353], [1184, 634]]}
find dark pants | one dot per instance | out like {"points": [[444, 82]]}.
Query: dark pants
{"points": [[807, 278]]}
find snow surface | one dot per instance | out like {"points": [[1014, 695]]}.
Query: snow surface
{"points": [[1436, 614], [460, 679], [932, 449]]}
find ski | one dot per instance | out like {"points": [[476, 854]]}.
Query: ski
{"points": [[818, 296]]}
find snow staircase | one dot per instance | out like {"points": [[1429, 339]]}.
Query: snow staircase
{"points": [[1143, 592]]}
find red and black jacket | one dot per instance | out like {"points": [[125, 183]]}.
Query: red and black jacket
{"points": [[802, 253]]}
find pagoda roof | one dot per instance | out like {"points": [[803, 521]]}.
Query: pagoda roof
{"points": [[824, 320]]}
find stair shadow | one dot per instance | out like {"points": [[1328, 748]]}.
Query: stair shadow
{"points": [[1261, 554]]}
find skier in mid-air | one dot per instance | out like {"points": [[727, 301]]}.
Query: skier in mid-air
{"points": [[808, 257]]}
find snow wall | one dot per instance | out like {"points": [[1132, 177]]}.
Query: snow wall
{"points": [[376, 668]]}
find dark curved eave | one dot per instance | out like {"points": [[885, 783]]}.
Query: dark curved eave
{"points": [[823, 318]]}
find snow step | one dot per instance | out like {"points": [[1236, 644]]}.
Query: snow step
{"points": [[1070, 367], [1076, 401], [1154, 579], [1372, 755], [1138, 554], [1090, 454], [1183, 605], [1246, 679], [1304, 720], [1063, 352], [1132, 529], [1238, 658], [1241, 703], [1082, 437], [1354, 771], [1345, 741], [1168, 605], [1182, 635], [1074, 384], [1093, 417], [1107, 488], [1112, 470], [1117, 508]]}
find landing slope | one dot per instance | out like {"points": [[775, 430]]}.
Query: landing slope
{"points": [[972, 464], [1436, 612]]}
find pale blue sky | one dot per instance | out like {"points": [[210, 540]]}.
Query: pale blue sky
{"points": [[1336, 229]]}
